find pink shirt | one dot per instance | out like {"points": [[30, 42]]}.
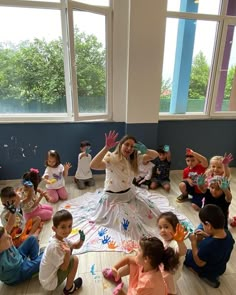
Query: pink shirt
{"points": [[145, 283]]}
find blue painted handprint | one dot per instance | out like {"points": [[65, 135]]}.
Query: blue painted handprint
{"points": [[102, 232], [125, 223], [106, 239], [92, 269]]}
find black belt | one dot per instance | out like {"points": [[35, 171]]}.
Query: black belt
{"points": [[120, 192]]}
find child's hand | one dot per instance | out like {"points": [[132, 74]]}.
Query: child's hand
{"points": [[82, 235], [88, 150], [201, 180], [140, 147], [65, 248], [189, 151], [180, 233], [190, 181], [223, 183], [67, 166], [10, 207], [166, 148], [227, 159], [111, 139]]}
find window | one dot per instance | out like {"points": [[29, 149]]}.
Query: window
{"points": [[37, 60], [198, 58]]}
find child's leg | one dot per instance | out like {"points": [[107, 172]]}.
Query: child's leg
{"points": [[81, 184], [166, 185], [183, 186], [36, 226], [91, 182], [62, 193], [43, 211], [52, 195], [29, 248]]}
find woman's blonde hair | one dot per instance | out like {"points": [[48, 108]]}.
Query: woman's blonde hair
{"points": [[133, 159]]}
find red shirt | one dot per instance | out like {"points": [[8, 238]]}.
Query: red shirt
{"points": [[199, 169]]}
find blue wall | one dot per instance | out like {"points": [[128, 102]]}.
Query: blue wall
{"points": [[23, 146]]}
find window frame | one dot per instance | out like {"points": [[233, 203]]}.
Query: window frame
{"points": [[66, 10], [223, 20]]}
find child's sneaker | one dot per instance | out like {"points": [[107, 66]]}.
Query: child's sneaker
{"points": [[182, 198], [76, 285]]}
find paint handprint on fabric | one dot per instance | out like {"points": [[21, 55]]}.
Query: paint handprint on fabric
{"points": [[102, 232], [106, 239], [125, 224]]}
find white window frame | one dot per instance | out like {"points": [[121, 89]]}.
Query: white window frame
{"points": [[223, 21], [72, 114]]}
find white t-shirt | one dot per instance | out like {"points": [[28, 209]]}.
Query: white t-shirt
{"points": [[55, 173], [119, 175], [145, 170], [53, 258], [83, 170]]}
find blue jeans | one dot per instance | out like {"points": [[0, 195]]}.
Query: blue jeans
{"points": [[29, 250]]}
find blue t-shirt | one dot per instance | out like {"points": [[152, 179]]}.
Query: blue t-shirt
{"points": [[215, 252], [220, 202], [161, 169], [10, 265]]}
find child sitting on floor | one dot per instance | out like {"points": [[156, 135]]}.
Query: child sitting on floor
{"points": [[58, 263], [161, 174], [144, 269], [211, 247]]}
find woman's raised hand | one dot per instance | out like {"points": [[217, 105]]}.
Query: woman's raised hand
{"points": [[111, 139]]}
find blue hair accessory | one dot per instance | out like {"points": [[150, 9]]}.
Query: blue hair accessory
{"points": [[27, 183]]}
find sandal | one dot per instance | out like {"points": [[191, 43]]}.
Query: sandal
{"points": [[76, 285], [107, 273], [118, 288], [182, 198]]}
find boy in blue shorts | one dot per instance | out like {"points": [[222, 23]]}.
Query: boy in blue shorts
{"points": [[211, 247]]}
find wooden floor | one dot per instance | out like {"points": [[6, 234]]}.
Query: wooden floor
{"points": [[188, 284]]}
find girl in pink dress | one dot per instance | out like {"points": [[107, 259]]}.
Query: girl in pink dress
{"points": [[30, 202]]}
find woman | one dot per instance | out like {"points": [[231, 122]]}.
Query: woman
{"points": [[121, 213]]}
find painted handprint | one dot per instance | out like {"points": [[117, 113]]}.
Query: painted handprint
{"points": [[149, 215], [106, 239], [112, 245], [102, 232], [125, 223]]}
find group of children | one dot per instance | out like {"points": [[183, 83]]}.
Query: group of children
{"points": [[158, 263]]}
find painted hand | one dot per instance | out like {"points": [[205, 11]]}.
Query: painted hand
{"points": [[227, 159], [111, 139], [224, 183], [10, 207], [106, 239], [82, 235], [201, 179], [88, 150], [140, 147], [189, 151], [166, 148], [180, 233]]}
